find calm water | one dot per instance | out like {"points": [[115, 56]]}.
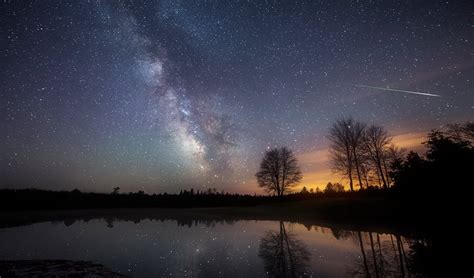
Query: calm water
{"points": [[213, 248]]}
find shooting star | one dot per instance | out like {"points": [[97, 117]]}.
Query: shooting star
{"points": [[395, 90]]}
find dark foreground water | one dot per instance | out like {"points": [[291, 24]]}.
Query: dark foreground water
{"points": [[167, 247]]}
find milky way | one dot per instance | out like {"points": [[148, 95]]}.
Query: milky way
{"points": [[199, 132], [165, 95]]}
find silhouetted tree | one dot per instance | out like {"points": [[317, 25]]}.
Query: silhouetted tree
{"points": [[393, 158], [357, 144], [448, 161], [365, 170], [346, 136], [116, 190], [341, 151], [376, 143], [462, 132], [334, 188], [411, 174], [279, 171], [443, 148]]}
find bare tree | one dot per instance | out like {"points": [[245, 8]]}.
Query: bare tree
{"points": [[346, 137], [376, 142], [341, 151], [357, 145], [279, 171], [365, 170]]}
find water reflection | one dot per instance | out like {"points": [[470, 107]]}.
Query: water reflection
{"points": [[283, 254], [384, 255], [202, 245], [55, 268], [380, 258]]}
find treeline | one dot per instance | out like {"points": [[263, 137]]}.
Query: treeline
{"points": [[75, 199], [24, 199]]}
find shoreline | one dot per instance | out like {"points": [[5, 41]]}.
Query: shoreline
{"points": [[346, 214]]}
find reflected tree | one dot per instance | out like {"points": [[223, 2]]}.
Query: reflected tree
{"points": [[110, 222], [364, 257], [385, 256], [340, 233], [283, 254], [421, 258]]}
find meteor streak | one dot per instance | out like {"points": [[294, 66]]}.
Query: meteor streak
{"points": [[395, 90]]}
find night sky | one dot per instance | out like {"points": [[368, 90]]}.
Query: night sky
{"points": [[167, 95]]}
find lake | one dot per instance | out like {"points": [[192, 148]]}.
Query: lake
{"points": [[181, 244]]}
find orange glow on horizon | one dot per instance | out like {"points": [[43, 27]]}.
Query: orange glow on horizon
{"points": [[316, 165]]}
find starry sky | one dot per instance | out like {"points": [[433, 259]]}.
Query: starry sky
{"points": [[167, 95]]}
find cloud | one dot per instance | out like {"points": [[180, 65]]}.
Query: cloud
{"points": [[411, 140]]}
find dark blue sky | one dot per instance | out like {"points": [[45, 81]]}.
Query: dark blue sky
{"points": [[164, 95]]}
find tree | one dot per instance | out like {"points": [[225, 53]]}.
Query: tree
{"points": [[279, 171], [341, 151], [442, 147], [448, 162], [346, 137], [412, 174], [334, 188], [376, 142], [450, 159], [462, 132], [357, 144], [116, 190], [394, 157]]}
